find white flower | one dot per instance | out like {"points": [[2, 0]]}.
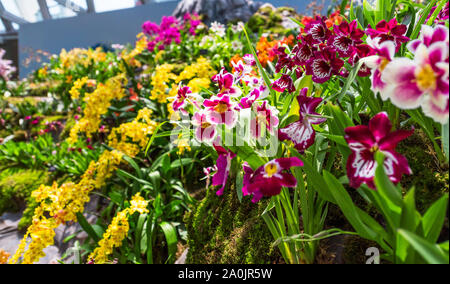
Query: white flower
{"points": [[218, 29]]}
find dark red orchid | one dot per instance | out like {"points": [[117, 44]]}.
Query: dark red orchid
{"points": [[346, 37], [323, 65], [285, 82], [365, 142], [362, 51], [318, 30], [389, 31], [301, 133], [269, 179], [304, 50]]}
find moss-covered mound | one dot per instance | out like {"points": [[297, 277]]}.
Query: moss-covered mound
{"points": [[272, 19], [223, 230], [15, 191]]}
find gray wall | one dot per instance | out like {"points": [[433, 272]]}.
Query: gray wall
{"points": [[87, 30], [111, 27]]}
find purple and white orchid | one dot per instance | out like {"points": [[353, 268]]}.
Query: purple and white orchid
{"points": [[301, 133], [365, 142], [266, 116]]}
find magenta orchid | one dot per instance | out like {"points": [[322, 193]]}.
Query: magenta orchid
{"points": [[389, 31], [301, 133], [180, 101], [266, 116], [221, 111], [365, 142], [226, 82], [422, 81], [206, 130], [269, 179]]}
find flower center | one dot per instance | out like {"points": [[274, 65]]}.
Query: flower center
{"points": [[271, 169], [383, 64], [374, 149], [221, 108], [206, 125], [426, 78]]}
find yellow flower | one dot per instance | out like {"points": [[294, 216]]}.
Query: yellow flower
{"points": [[77, 86], [118, 230]]}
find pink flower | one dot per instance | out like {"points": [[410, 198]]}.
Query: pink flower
{"points": [[365, 141], [301, 133], [265, 115], [385, 54], [346, 37], [249, 59], [221, 111], [223, 168], [421, 82], [428, 36], [391, 31], [180, 101], [206, 130], [285, 82], [269, 179], [359, 52]]}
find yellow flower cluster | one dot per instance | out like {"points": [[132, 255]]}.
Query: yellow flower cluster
{"points": [[160, 82], [141, 45], [58, 205], [137, 131], [118, 230], [81, 56], [97, 104], [77, 86], [3, 256], [200, 69]]}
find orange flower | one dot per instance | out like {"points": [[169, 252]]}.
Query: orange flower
{"points": [[134, 96], [334, 19]]}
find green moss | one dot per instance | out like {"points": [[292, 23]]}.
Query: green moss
{"points": [[223, 230], [15, 191], [269, 20], [429, 177]]}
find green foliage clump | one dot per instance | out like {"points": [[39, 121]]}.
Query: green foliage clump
{"points": [[223, 230], [16, 187]]}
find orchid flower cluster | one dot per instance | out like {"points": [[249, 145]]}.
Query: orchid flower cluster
{"points": [[169, 31], [322, 52], [418, 82]]}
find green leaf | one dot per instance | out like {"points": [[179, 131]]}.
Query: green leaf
{"points": [[171, 237], [432, 253], [445, 140], [434, 218], [88, 228]]}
